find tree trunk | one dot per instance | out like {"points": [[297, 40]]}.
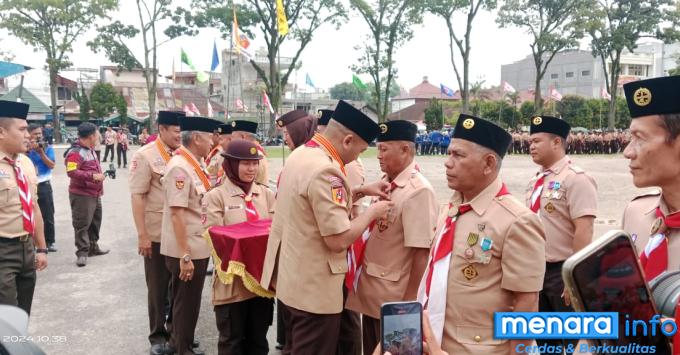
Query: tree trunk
{"points": [[275, 91], [53, 100], [538, 102], [613, 83]]}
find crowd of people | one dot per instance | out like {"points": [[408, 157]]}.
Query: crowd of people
{"points": [[591, 142], [336, 247]]}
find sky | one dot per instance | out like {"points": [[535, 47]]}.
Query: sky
{"points": [[327, 59]]}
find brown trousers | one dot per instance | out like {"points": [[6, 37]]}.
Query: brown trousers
{"points": [[17, 272], [243, 326], [370, 333], [349, 341], [86, 217], [157, 285], [186, 303], [310, 333]]}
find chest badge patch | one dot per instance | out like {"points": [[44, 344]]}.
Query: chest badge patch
{"points": [[549, 207], [470, 272]]}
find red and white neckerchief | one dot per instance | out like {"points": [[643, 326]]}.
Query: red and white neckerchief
{"points": [[433, 286], [536, 194], [251, 211], [24, 196]]}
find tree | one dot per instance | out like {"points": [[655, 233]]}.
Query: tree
{"points": [[526, 112], [121, 108], [84, 103], [346, 91], [676, 70], [617, 25], [103, 99], [447, 9], [434, 115], [389, 23], [575, 110], [304, 17], [52, 26], [554, 25], [116, 39]]}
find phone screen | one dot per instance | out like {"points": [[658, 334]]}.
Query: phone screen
{"points": [[401, 326], [609, 280]]}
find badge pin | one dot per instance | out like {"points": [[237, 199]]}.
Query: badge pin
{"points": [[481, 227], [485, 258], [472, 239], [549, 207], [486, 244], [382, 225], [469, 253], [557, 185], [656, 226], [551, 185], [634, 237], [469, 272]]}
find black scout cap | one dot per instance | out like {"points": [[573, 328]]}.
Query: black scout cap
{"points": [[170, 118], [13, 109], [201, 124], [290, 117], [245, 126], [398, 130], [657, 96], [325, 116], [356, 121], [242, 150], [482, 132], [224, 129], [550, 124]]}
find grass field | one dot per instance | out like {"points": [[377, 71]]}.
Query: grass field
{"points": [[278, 152]]}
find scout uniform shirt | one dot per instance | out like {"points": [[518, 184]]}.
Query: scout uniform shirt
{"points": [[146, 170], [639, 218], [568, 193], [355, 176], [11, 212], [184, 188], [484, 283], [313, 201], [388, 255], [226, 206], [214, 165]]}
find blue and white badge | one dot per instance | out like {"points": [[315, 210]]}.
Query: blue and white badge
{"points": [[557, 185], [486, 243], [4, 174]]}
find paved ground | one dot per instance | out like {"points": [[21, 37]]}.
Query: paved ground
{"points": [[101, 309]]}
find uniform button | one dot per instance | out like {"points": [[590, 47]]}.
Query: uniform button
{"points": [[382, 274], [500, 198], [478, 338]]}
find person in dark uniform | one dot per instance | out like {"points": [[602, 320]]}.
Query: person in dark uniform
{"points": [[21, 225]]}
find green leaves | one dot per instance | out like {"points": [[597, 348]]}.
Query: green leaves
{"points": [[112, 40]]}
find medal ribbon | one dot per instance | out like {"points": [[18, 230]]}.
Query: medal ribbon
{"points": [[197, 168]]}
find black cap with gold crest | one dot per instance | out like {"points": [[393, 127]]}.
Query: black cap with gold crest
{"points": [[13, 109], [170, 118], [398, 130], [201, 124], [482, 132], [657, 96], [242, 150], [550, 124], [290, 117], [356, 121], [245, 126], [224, 128], [325, 116]]}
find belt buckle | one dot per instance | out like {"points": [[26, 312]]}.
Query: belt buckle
{"points": [[24, 238]]}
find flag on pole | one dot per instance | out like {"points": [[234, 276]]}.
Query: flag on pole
{"points": [[447, 90], [508, 88], [215, 57], [200, 75], [239, 41], [555, 95], [194, 109], [281, 19], [308, 81], [358, 83], [210, 109], [605, 94], [266, 102], [173, 71], [187, 110]]}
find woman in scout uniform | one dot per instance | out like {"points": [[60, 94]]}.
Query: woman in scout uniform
{"points": [[298, 128], [242, 314], [247, 130]]}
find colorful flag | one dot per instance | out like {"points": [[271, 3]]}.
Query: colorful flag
{"points": [[194, 109], [605, 94], [447, 90], [239, 41], [200, 75], [358, 83], [308, 81], [266, 102], [240, 105], [215, 57], [555, 95], [173, 70], [187, 110], [508, 88], [281, 19], [210, 109]]}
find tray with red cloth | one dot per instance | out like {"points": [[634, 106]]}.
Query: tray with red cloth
{"points": [[238, 251]]}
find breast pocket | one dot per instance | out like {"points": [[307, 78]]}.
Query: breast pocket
{"points": [[381, 272], [9, 194]]}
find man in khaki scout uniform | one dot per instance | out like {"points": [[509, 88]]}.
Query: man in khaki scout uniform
{"points": [[186, 251], [652, 219], [248, 130], [565, 198], [395, 254], [306, 258], [146, 170], [214, 159], [489, 251], [21, 225]]}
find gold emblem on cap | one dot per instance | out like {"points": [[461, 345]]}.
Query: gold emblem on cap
{"points": [[468, 123], [319, 114], [537, 120], [253, 151], [642, 97], [219, 129], [233, 123], [383, 128], [279, 122]]}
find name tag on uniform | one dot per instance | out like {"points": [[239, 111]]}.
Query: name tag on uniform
{"points": [[4, 174], [234, 207]]}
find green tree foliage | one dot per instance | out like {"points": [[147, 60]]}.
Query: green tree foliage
{"points": [[526, 111], [104, 100], [346, 91], [554, 25], [390, 25], [84, 103], [52, 27], [460, 41], [434, 115]]}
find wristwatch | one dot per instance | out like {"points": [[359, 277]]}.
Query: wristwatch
{"points": [[186, 258], [40, 250]]}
